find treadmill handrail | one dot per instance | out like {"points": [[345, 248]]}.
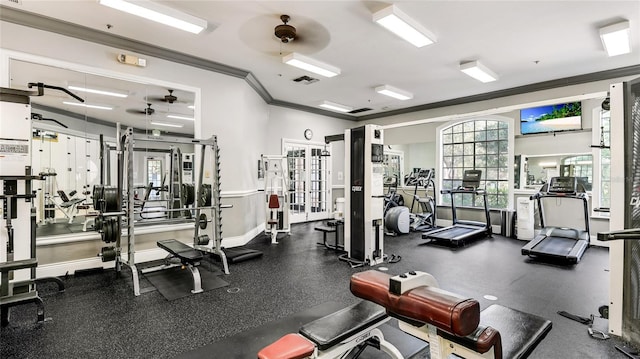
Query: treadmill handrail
{"points": [[478, 191], [624, 234], [578, 195]]}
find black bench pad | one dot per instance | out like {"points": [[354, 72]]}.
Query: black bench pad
{"points": [[181, 250], [336, 327], [71, 202], [521, 332], [325, 229]]}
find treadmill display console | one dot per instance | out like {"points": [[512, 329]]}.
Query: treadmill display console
{"points": [[563, 185], [471, 179]]}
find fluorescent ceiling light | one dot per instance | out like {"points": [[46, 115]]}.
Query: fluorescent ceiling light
{"points": [[97, 91], [478, 71], [159, 13], [181, 117], [335, 106], [309, 64], [166, 124], [99, 107], [547, 164], [402, 25], [394, 92], [615, 38], [193, 107]]}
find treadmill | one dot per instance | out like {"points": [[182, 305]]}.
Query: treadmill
{"points": [[461, 232], [564, 217]]}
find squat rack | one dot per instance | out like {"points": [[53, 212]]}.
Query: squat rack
{"points": [[125, 151]]}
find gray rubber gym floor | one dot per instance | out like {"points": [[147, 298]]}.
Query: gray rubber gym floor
{"points": [[99, 317]]}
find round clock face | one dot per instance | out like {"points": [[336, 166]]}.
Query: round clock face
{"points": [[308, 134]]}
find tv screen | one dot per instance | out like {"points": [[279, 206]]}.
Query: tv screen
{"points": [[552, 118]]}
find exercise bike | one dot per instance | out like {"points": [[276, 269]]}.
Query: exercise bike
{"points": [[426, 220]]}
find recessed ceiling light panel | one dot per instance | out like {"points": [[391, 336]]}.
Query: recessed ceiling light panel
{"points": [[396, 21], [394, 92], [335, 106], [615, 38], [478, 71], [159, 13], [309, 64]]}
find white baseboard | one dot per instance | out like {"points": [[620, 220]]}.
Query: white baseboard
{"points": [[70, 267], [238, 241]]}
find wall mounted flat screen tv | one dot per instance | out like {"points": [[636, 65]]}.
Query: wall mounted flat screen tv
{"points": [[552, 118]]}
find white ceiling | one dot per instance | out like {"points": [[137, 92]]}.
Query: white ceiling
{"points": [[524, 42]]}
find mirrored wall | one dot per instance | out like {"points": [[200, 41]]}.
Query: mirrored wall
{"points": [[74, 138]]}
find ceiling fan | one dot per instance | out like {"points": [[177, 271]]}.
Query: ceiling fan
{"points": [[146, 111], [170, 98]]}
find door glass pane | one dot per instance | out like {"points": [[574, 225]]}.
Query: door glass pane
{"points": [[297, 182]]}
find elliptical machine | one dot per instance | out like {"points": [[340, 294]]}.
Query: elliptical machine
{"points": [[426, 220], [396, 215]]}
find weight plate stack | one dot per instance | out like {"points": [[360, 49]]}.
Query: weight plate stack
{"points": [[188, 194], [205, 196]]}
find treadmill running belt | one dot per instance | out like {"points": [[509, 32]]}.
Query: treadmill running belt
{"points": [[555, 245], [452, 232]]}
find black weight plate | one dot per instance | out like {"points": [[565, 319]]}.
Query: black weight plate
{"points": [[202, 221], [110, 199], [97, 195], [98, 222], [106, 231]]}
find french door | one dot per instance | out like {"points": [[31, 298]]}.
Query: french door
{"points": [[309, 181]]}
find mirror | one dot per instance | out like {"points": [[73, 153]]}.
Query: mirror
{"points": [[71, 136], [537, 170]]}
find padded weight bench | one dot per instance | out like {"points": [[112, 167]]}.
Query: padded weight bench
{"points": [[334, 335], [69, 207], [331, 227], [450, 323], [189, 258]]}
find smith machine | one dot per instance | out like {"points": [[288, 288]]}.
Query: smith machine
{"points": [[116, 207]]}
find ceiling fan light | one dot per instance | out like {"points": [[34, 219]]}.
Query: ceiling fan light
{"points": [[309, 64]]}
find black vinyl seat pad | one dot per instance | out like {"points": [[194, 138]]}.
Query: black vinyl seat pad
{"points": [[181, 250], [520, 332], [332, 329]]}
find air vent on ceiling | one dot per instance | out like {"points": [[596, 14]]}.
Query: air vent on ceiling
{"points": [[305, 80], [358, 110]]}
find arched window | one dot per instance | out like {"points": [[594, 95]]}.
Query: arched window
{"points": [[477, 144]]}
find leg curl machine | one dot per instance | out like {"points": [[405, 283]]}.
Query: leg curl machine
{"points": [[450, 323]]}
